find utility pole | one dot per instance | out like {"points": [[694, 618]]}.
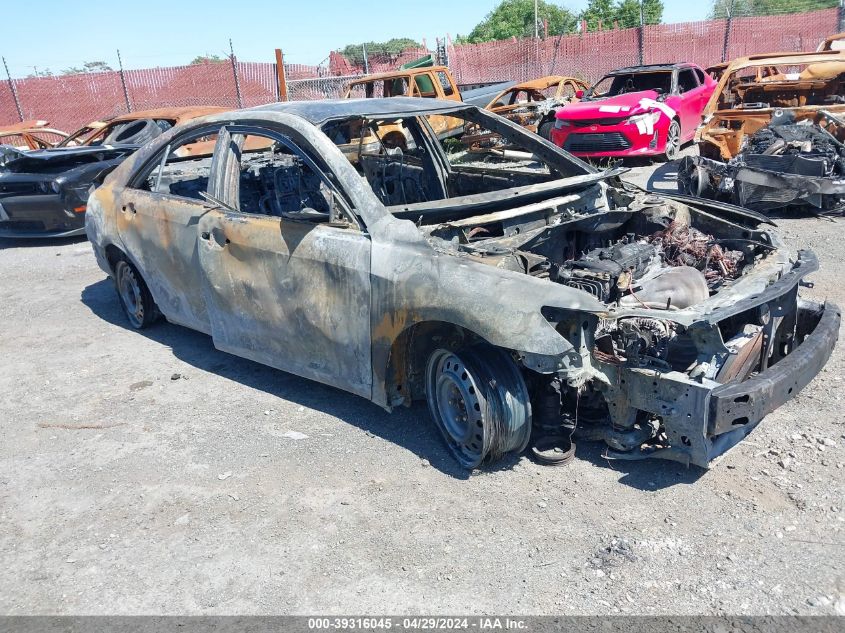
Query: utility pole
{"points": [[536, 26], [235, 72], [123, 82], [281, 79], [366, 61], [729, 7], [641, 34], [13, 89], [841, 16]]}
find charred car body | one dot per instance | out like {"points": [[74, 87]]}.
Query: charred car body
{"points": [[31, 135], [518, 296], [43, 193], [532, 104], [773, 134]]}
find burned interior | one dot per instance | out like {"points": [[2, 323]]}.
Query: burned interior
{"points": [[528, 297], [773, 135]]}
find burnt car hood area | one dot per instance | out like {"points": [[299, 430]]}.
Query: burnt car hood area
{"points": [[527, 297], [43, 193]]}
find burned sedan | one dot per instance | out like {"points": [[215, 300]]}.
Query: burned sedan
{"points": [[773, 135], [43, 192], [524, 297]]}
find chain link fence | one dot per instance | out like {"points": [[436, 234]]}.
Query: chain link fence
{"points": [[70, 101]]}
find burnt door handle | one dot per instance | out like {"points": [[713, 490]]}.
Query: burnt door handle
{"points": [[130, 206]]}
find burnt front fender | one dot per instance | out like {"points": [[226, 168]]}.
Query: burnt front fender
{"points": [[412, 282]]}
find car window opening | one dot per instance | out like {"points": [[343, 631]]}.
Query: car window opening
{"points": [[395, 160]]}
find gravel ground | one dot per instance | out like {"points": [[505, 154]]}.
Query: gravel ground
{"points": [[150, 473]]}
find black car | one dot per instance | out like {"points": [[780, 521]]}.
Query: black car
{"points": [[44, 193]]}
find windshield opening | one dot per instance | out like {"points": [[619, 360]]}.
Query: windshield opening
{"points": [[615, 85], [434, 167], [767, 86]]}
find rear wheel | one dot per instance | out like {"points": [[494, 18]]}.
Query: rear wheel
{"points": [[135, 297], [480, 403]]}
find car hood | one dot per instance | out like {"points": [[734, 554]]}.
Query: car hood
{"points": [[13, 159], [621, 105]]}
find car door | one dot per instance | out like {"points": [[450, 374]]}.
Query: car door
{"points": [[286, 281], [689, 93], [159, 211]]}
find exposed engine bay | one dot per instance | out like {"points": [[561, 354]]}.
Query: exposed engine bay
{"points": [[656, 265]]}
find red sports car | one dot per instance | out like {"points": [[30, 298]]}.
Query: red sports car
{"points": [[636, 111]]}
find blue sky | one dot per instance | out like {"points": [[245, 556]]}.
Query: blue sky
{"points": [[171, 32]]}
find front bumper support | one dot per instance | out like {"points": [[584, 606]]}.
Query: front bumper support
{"points": [[703, 419]]}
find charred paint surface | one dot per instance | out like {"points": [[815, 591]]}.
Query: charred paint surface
{"points": [[565, 278]]}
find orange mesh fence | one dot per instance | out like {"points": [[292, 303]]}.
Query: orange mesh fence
{"points": [[70, 101]]}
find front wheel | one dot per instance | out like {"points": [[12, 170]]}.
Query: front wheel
{"points": [[673, 141], [135, 297], [479, 401], [545, 129]]}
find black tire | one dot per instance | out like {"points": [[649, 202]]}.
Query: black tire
{"points": [[545, 129], [693, 180], [135, 298], [673, 141], [134, 133], [479, 401]]}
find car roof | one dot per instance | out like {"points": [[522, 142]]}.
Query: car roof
{"points": [[177, 114], [396, 74], [27, 126], [318, 112], [650, 67], [541, 83]]}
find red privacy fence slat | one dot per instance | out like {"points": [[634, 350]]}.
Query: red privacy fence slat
{"points": [[70, 101]]}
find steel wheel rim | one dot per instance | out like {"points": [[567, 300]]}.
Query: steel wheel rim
{"points": [[458, 409], [672, 141], [130, 295]]}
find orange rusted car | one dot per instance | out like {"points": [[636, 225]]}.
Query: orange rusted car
{"points": [[31, 135], [532, 104], [772, 134]]}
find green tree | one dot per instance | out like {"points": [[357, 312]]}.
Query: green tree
{"points": [[389, 49], [39, 73], [721, 8], [87, 67], [601, 11], [515, 18], [628, 13], [208, 59]]}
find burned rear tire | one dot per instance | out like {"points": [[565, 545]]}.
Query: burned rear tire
{"points": [[479, 401], [134, 133], [135, 298]]}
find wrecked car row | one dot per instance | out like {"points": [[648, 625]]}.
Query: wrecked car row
{"points": [[44, 192], [773, 135], [527, 298]]}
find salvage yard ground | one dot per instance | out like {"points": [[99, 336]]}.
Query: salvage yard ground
{"points": [[150, 473]]}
